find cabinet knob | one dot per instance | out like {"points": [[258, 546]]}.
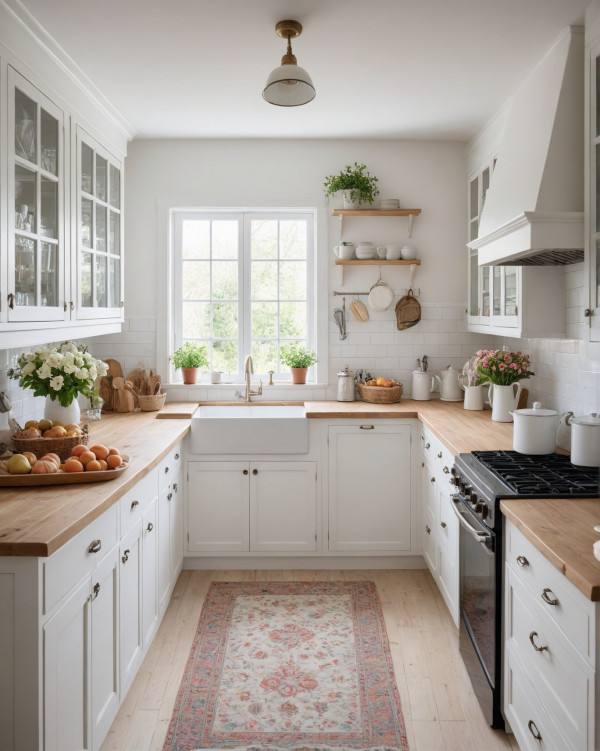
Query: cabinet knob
{"points": [[176, 457], [427, 445], [150, 527], [254, 471], [533, 730], [588, 313], [522, 561], [166, 470], [245, 472], [175, 487], [11, 301], [440, 454], [432, 479], [125, 556], [549, 600], [446, 470], [95, 546], [96, 590], [532, 636], [428, 529], [122, 304], [443, 525], [134, 504], [169, 496]]}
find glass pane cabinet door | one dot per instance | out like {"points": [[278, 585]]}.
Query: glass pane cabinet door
{"points": [[99, 227], [593, 312], [36, 259]]}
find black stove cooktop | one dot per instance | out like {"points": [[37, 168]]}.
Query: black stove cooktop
{"points": [[546, 475]]}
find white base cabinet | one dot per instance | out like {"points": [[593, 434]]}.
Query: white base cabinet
{"points": [[74, 627], [238, 507], [439, 526], [370, 488]]}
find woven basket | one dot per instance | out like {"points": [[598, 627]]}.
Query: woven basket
{"points": [[380, 394], [152, 402], [408, 311], [60, 446]]}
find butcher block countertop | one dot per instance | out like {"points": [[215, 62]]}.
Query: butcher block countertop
{"points": [[37, 521], [563, 531], [460, 430]]}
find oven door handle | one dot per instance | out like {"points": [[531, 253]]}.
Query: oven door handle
{"points": [[484, 538]]}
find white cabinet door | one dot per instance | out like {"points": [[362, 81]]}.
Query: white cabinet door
{"points": [[67, 674], [130, 606], [149, 574], [176, 528], [428, 527], [104, 646], [165, 499], [218, 508], [447, 535], [283, 506], [370, 488]]}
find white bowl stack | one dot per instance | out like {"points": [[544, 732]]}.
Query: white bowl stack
{"points": [[389, 204]]}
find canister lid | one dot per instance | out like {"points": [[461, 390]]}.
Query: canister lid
{"points": [[346, 373], [536, 410], [593, 419]]}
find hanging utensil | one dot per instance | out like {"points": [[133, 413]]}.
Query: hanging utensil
{"points": [[360, 311], [381, 296], [340, 319], [408, 311]]}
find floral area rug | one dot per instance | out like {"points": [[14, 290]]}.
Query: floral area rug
{"points": [[289, 665]]}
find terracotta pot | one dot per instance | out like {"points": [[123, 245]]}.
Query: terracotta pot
{"points": [[190, 375], [299, 375]]}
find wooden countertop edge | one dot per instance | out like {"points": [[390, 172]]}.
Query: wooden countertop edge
{"points": [[590, 588], [46, 548]]}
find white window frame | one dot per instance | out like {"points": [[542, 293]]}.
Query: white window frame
{"points": [[167, 327]]}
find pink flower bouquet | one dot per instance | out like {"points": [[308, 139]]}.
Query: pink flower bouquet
{"points": [[501, 367]]}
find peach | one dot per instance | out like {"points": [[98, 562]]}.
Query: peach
{"points": [[99, 450], [86, 457], [114, 461], [93, 466], [73, 465], [78, 450]]}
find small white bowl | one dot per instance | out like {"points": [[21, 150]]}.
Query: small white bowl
{"points": [[409, 252], [365, 253]]}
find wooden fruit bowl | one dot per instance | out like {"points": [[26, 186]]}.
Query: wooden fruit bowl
{"points": [[60, 478]]}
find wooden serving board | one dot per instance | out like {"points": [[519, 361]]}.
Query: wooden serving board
{"points": [[59, 478]]}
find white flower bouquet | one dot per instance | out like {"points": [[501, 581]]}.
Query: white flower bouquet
{"points": [[59, 372]]}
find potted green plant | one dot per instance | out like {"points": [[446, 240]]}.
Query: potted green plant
{"points": [[298, 359], [357, 184], [190, 357]]}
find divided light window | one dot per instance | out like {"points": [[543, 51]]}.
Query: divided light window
{"points": [[243, 285]]}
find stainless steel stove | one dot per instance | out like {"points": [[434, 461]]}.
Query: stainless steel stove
{"points": [[482, 479]]}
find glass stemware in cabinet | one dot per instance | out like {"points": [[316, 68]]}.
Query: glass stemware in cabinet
{"points": [[49, 275], [25, 271], [49, 143], [25, 127], [49, 207], [25, 199]]}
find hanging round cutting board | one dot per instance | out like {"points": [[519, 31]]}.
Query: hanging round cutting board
{"points": [[408, 311], [380, 296]]}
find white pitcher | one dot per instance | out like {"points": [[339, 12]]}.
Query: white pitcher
{"points": [[449, 386], [504, 399], [423, 385]]}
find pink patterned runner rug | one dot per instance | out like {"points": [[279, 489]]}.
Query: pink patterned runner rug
{"points": [[289, 665]]}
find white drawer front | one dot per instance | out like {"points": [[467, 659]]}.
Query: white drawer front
{"points": [[435, 453], [572, 613], [169, 466], [63, 569], [563, 680], [135, 502], [527, 717]]}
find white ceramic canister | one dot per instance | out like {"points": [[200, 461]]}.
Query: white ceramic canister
{"points": [[535, 430], [585, 440], [473, 397], [345, 386], [423, 385]]}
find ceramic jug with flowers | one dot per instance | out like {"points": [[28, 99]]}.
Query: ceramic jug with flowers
{"points": [[504, 371]]}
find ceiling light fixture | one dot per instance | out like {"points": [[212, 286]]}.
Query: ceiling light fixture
{"points": [[289, 85]]}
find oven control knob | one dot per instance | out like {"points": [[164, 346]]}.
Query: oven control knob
{"points": [[479, 508], [473, 499], [484, 512], [467, 490], [455, 481]]}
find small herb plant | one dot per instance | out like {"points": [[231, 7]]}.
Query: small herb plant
{"points": [[297, 356], [356, 180], [190, 355]]}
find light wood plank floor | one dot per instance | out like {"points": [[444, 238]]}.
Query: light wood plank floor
{"points": [[440, 710]]}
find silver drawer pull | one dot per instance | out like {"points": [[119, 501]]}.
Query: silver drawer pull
{"points": [[134, 504], [443, 525], [367, 427], [532, 636], [95, 546], [169, 496], [176, 456], [549, 600], [440, 455], [533, 730], [150, 527], [427, 445], [428, 529], [166, 470], [522, 561], [125, 556], [96, 590]]}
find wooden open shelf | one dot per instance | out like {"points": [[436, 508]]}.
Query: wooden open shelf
{"points": [[375, 212], [376, 262]]}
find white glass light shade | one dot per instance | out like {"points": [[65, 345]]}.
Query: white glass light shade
{"points": [[289, 86]]}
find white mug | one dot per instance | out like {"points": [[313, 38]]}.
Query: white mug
{"points": [[473, 397], [344, 252], [381, 252], [423, 385], [215, 376]]}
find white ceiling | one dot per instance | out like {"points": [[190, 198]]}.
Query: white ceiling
{"points": [[431, 69]]}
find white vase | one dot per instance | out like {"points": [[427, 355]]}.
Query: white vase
{"points": [[349, 201], [53, 410], [503, 399]]}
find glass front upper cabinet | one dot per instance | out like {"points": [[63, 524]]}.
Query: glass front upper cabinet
{"points": [[593, 253], [99, 228], [36, 259]]}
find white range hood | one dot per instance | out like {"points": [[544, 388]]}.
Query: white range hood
{"points": [[533, 210]]}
